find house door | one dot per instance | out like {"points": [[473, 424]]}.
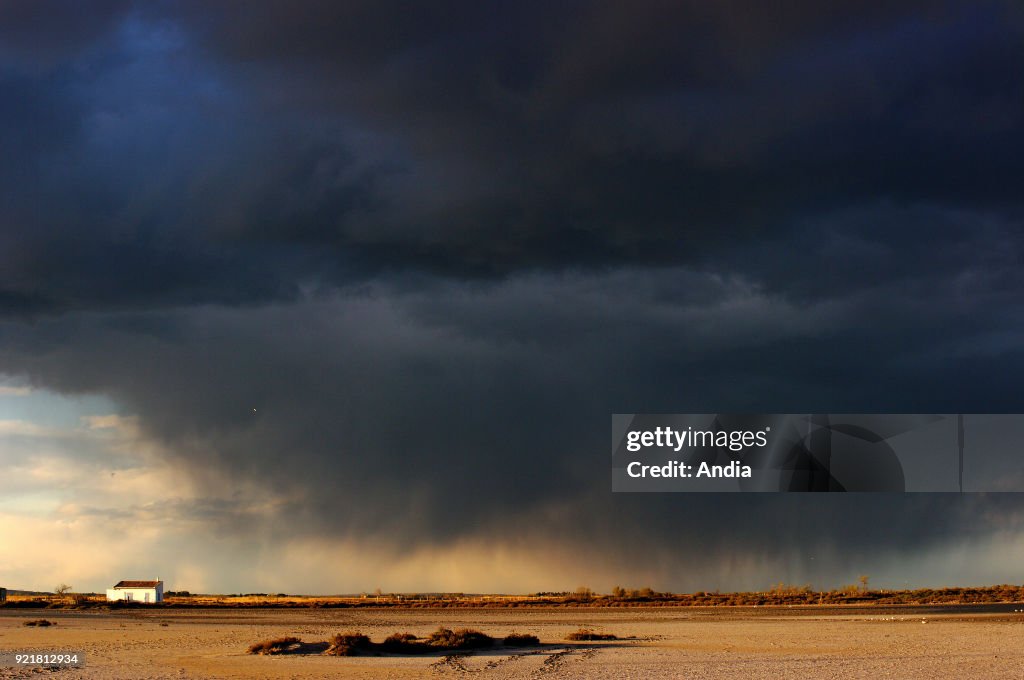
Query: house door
{"points": [[147, 597]]}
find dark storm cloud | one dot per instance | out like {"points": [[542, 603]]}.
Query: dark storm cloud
{"points": [[473, 141], [41, 35], [594, 134], [434, 247], [374, 411]]}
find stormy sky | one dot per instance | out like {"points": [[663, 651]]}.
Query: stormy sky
{"points": [[323, 297]]}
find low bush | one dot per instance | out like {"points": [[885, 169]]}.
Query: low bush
{"points": [[464, 638], [402, 643], [40, 622], [587, 634], [348, 644], [521, 640], [354, 643], [276, 646]]}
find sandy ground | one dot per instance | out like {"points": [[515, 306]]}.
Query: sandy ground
{"points": [[658, 643]]}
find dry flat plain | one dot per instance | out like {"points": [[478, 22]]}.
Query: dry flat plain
{"points": [[662, 642]]}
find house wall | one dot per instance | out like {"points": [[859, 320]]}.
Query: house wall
{"points": [[136, 594]]}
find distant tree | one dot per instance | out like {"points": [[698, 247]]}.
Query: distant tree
{"points": [[863, 578], [62, 590], [584, 593], [618, 591]]}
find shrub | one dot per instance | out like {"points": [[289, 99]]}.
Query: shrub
{"points": [[521, 640], [442, 637], [276, 646], [348, 644], [40, 622], [402, 642], [587, 634], [464, 638], [354, 643]]}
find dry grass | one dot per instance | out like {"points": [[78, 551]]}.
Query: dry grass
{"points": [[587, 634], [277, 646], [777, 595]]}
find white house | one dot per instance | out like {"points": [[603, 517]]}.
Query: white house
{"points": [[137, 591]]}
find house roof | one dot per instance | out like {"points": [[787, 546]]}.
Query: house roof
{"points": [[137, 584]]}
